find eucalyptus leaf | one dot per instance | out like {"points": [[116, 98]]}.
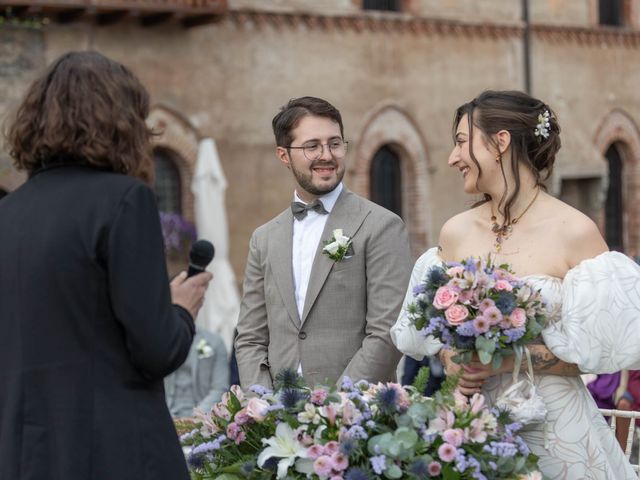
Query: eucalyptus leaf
{"points": [[485, 357], [496, 362], [485, 344], [393, 471]]}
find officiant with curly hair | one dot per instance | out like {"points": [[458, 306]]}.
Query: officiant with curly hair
{"points": [[89, 324]]}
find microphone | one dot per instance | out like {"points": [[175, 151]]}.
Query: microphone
{"points": [[200, 256]]}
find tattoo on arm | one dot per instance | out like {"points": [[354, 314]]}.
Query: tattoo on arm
{"points": [[544, 361]]}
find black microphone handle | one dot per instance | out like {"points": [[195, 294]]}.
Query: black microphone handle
{"points": [[194, 270]]}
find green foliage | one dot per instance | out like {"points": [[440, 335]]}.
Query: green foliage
{"points": [[9, 19]]}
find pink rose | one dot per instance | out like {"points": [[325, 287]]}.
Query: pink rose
{"points": [[447, 452], [503, 285], [456, 314], [257, 409], [518, 317], [445, 297]]}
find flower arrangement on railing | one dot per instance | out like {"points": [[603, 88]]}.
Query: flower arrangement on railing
{"points": [[356, 432], [178, 235]]}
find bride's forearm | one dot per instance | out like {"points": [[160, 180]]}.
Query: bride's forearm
{"points": [[545, 362]]}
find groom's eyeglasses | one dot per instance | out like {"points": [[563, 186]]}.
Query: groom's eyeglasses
{"points": [[313, 150]]}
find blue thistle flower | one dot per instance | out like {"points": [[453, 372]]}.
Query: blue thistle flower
{"points": [[506, 302], [288, 378], [437, 277], [462, 342], [247, 468], [348, 446], [289, 397], [357, 474], [196, 462], [387, 398], [419, 468]]}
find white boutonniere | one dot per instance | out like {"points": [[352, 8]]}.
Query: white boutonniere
{"points": [[337, 247], [204, 349]]}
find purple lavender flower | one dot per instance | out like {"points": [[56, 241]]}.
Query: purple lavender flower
{"points": [[512, 428], [501, 449], [209, 446], [467, 329], [357, 432], [378, 463], [347, 383], [418, 289], [523, 447], [514, 334], [177, 232], [258, 389]]}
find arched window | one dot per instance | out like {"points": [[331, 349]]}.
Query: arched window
{"points": [[167, 186], [387, 5], [385, 180], [613, 224], [611, 12]]}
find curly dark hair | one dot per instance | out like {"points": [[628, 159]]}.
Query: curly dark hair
{"points": [[516, 112], [86, 109]]}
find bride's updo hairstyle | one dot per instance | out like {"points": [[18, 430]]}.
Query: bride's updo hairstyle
{"points": [[534, 129]]}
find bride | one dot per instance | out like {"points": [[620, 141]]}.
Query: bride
{"points": [[505, 146]]}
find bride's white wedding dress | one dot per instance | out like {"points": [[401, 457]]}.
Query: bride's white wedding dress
{"points": [[593, 322]]}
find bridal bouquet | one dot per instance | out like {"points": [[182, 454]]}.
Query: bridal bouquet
{"points": [[476, 306], [356, 432]]}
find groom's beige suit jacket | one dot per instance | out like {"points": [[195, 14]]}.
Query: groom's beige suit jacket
{"points": [[350, 305]]}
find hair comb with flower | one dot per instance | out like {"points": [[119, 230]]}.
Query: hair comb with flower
{"points": [[543, 126]]}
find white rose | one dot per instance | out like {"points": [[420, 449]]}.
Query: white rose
{"points": [[332, 248]]}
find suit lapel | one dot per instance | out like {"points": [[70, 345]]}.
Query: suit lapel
{"points": [[280, 258], [348, 214]]}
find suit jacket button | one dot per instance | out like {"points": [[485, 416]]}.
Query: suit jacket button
{"points": [[302, 335]]}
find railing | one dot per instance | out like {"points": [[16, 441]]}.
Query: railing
{"points": [[190, 12], [633, 416]]}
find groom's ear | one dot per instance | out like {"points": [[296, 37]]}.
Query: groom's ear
{"points": [[283, 154]]}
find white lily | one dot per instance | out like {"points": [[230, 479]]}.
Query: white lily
{"points": [[283, 445]]}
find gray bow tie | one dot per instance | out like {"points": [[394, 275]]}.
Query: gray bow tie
{"points": [[300, 209]]}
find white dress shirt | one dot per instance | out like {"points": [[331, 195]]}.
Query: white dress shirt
{"points": [[307, 235]]}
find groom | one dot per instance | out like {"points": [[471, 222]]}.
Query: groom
{"points": [[303, 309]]}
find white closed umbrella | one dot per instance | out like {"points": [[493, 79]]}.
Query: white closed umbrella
{"points": [[219, 313]]}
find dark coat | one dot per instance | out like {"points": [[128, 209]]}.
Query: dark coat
{"points": [[87, 331]]}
